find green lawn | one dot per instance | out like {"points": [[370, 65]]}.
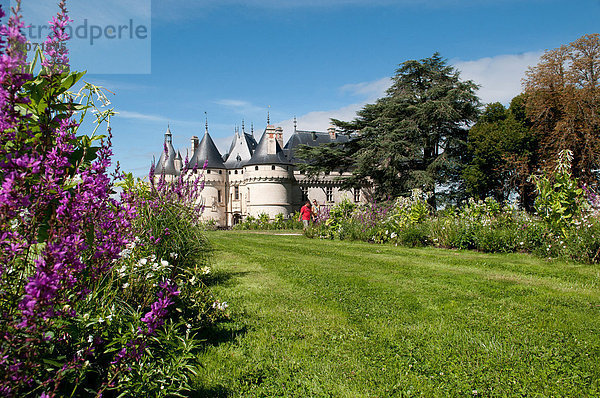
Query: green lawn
{"points": [[314, 318]]}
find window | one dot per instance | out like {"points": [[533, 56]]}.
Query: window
{"points": [[255, 167], [273, 167], [229, 172], [219, 195], [357, 194], [235, 172], [220, 171], [248, 196], [329, 194], [207, 171], [304, 193], [236, 193]]}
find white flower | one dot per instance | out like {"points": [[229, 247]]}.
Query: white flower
{"points": [[90, 338], [173, 255], [125, 285], [220, 306], [164, 263], [205, 270]]}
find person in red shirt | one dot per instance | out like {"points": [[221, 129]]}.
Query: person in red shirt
{"points": [[305, 214]]}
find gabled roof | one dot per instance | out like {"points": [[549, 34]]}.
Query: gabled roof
{"points": [[206, 150], [166, 162], [261, 155], [310, 138], [241, 150]]}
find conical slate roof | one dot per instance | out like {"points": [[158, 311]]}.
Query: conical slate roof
{"points": [[166, 162], [261, 155], [206, 150], [241, 150]]}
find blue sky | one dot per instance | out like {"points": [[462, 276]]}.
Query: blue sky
{"points": [[315, 59]]}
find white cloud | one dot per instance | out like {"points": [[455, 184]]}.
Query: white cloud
{"points": [[371, 90], [240, 106], [142, 116], [499, 76], [319, 120]]}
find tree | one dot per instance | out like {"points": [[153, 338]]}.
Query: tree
{"points": [[502, 151], [414, 137], [564, 105]]}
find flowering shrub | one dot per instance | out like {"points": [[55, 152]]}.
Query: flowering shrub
{"points": [[484, 225], [398, 220], [560, 199], [263, 222], [92, 289]]}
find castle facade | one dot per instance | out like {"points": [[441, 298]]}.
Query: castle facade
{"points": [[257, 177]]}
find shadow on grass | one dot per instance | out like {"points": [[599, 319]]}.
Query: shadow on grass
{"points": [[212, 392], [222, 278], [222, 332]]}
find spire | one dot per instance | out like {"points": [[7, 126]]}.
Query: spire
{"points": [[243, 129], [168, 135], [295, 123], [269, 115], [252, 128], [206, 123]]}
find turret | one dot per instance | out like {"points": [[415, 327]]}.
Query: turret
{"points": [[206, 156], [166, 163]]}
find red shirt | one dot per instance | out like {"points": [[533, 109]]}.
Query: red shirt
{"points": [[305, 212]]}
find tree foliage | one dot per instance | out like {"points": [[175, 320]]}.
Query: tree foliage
{"points": [[502, 154], [414, 137], [564, 105]]}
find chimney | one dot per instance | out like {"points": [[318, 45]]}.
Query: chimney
{"points": [[194, 143], [270, 132], [332, 133], [271, 144], [279, 136]]}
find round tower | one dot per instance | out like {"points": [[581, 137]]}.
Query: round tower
{"points": [[268, 177], [207, 160]]}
